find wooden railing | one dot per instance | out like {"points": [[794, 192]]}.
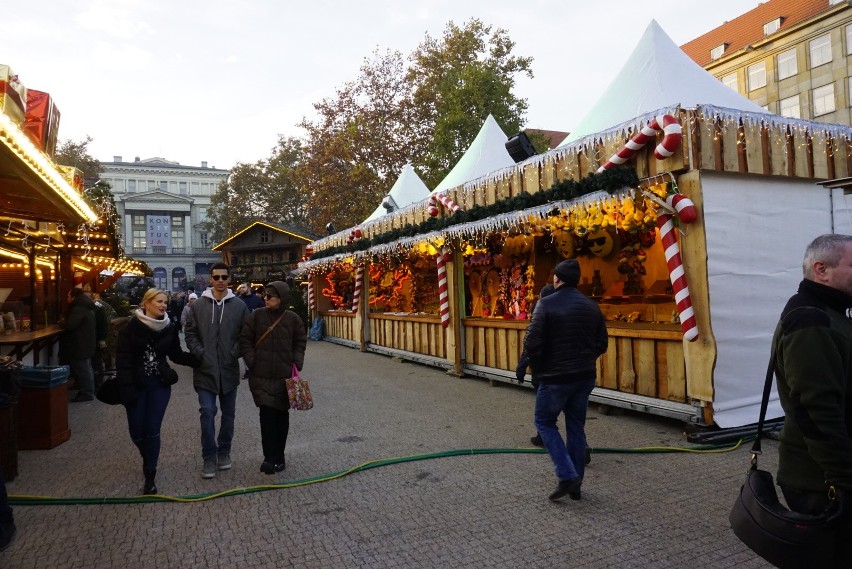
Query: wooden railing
{"points": [[417, 334]]}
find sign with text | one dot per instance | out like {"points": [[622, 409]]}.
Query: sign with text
{"points": [[159, 231]]}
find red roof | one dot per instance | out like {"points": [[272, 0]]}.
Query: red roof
{"points": [[747, 29]]}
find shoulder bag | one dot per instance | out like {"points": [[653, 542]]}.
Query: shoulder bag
{"points": [[781, 536], [268, 330]]}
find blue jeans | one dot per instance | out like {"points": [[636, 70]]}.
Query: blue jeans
{"points": [[145, 418], [210, 445], [569, 459]]}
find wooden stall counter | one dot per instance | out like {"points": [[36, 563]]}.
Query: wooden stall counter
{"points": [[36, 342], [416, 332]]}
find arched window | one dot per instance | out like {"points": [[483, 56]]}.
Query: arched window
{"points": [[178, 278], [161, 278]]}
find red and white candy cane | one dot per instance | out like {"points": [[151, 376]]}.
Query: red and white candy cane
{"points": [[443, 294], [678, 277], [685, 208], [448, 203], [312, 301], [672, 134], [359, 283]]}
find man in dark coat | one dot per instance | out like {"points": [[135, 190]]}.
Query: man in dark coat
{"points": [[812, 346], [566, 335], [78, 342]]}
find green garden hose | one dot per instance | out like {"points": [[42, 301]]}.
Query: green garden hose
{"points": [[26, 500]]}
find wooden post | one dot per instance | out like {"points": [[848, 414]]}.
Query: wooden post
{"points": [[456, 298]]}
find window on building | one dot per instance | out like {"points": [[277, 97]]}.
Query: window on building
{"points": [[139, 220], [177, 221], [202, 213], [178, 238], [193, 188], [178, 278], [152, 185], [823, 98], [131, 185], [235, 259], [820, 50], [182, 188], [265, 260], [787, 64], [790, 107], [164, 186], [264, 236], [730, 81], [718, 51], [161, 280], [202, 239], [770, 28], [757, 76], [140, 238]]}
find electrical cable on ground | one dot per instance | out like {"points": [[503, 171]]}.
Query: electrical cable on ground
{"points": [[29, 500]]}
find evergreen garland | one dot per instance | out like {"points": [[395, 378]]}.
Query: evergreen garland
{"points": [[609, 181]]}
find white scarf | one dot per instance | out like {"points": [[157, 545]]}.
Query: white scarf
{"points": [[155, 324]]}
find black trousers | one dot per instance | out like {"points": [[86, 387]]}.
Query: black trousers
{"points": [[274, 426]]}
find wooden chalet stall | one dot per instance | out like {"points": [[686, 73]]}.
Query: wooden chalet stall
{"points": [[752, 181]]}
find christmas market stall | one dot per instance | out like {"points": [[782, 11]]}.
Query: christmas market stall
{"points": [[689, 221]]}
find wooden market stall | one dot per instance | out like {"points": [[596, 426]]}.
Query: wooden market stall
{"points": [[749, 180]]}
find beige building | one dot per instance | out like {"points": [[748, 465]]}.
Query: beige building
{"points": [[792, 57], [163, 206]]}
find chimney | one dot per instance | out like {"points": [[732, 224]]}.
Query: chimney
{"points": [[116, 158], [203, 164], [136, 159]]}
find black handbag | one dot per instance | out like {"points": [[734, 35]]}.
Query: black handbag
{"points": [[781, 536], [108, 392], [169, 376]]}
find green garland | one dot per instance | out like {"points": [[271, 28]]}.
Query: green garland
{"points": [[609, 181]]}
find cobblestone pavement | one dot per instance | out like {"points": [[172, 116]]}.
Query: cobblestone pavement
{"points": [[488, 510]]}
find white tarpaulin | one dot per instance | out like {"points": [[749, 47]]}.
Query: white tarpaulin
{"points": [[657, 75], [485, 154], [407, 189], [757, 230]]}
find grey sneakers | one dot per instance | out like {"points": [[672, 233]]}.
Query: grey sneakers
{"points": [[224, 461], [209, 469]]}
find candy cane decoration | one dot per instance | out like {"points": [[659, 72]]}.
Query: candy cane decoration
{"points": [[672, 135], [677, 276], [312, 301], [448, 203], [685, 208], [443, 295], [359, 282]]}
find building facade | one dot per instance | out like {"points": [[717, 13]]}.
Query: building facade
{"points": [[163, 206], [792, 57]]}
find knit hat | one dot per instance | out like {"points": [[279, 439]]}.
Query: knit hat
{"points": [[568, 272], [192, 296]]}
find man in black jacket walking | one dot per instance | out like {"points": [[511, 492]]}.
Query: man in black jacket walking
{"points": [[566, 335]]}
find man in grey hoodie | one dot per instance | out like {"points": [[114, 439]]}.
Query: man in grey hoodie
{"points": [[212, 335]]}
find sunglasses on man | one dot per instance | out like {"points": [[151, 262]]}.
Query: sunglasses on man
{"points": [[219, 277]]}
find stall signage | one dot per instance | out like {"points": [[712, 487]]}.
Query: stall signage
{"points": [[275, 275], [239, 276], [159, 230]]}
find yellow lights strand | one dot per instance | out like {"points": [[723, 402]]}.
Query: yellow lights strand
{"points": [[17, 142]]}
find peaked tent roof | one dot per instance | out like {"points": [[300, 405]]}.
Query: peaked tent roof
{"points": [[407, 189], [485, 154], [657, 74]]}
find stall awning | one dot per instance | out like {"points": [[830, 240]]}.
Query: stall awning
{"points": [[30, 185]]}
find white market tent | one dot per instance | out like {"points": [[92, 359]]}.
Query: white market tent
{"points": [[754, 248], [658, 74], [407, 189], [485, 154]]}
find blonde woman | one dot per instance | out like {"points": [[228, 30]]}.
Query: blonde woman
{"points": [[145, 378]]}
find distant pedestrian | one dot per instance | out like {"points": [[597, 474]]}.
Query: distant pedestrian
{"points": [[247, 295], [273, 339], [176, 304], [104, 313], [145, 378], [565, 337], [78, 342], [212, 335], [184, 315]]}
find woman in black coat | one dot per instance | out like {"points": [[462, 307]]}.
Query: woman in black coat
{"points": [[144, 377]]}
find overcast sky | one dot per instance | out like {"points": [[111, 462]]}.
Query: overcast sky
{"points": [[220, 80]]}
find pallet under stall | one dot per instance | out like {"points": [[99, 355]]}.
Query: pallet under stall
{"points": [[691, 263]]}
